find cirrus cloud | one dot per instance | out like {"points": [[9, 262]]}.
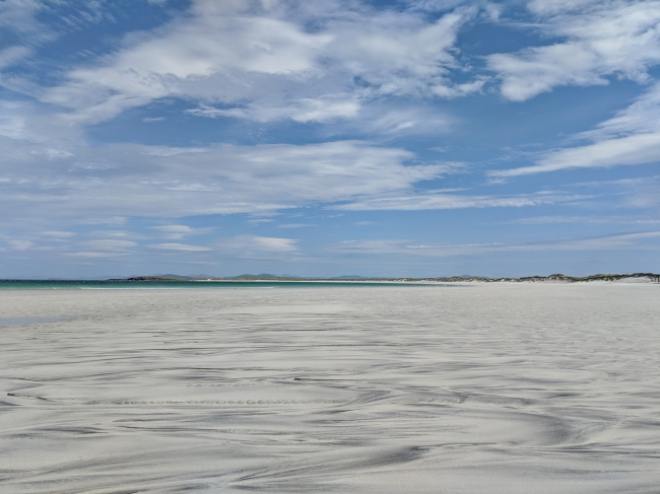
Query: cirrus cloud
{"points": [[264, 64], [247, 243], [161, 181], [599, 39], [631, 137], [176, 247]]}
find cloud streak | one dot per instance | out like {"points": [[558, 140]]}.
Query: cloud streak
{"points": [[170, 182], [431, 200], [176, 247], [246, 244], [232, 54], [631, 137], [640, 240], [601, 39]]}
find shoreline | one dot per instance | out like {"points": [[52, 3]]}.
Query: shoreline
{"points": [[634, 278]]}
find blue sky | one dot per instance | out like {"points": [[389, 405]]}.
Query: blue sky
{"points": [[378, 138]]}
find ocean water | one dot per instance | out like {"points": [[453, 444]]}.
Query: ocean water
{"points": [[499, 389], [173, 285]]}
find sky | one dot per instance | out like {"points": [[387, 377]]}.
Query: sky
{"points": [[344, 137]]}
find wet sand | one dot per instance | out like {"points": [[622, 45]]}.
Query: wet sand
{"points": [[498, 388]]}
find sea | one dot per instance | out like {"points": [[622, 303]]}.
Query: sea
{"points": [[185, 284]]}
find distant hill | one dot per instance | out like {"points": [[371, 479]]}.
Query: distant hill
{"points": [[264, 276], [174, 276], [635, 277]]}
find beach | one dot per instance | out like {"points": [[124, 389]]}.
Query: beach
{"points": [[499, 388]]}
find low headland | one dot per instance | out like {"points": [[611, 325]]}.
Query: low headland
{"points": [[556, 278]]}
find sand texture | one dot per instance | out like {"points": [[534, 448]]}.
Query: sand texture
{"points": [[496, 388]]}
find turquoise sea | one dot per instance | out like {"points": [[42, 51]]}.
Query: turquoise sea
{"points": [[165, 285]]}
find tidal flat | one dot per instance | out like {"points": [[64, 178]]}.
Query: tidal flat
{"points": [[497, 388]]}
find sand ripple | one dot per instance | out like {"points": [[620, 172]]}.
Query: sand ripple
{"points": [[493, 388]]}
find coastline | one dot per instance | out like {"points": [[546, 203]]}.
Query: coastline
{"points": [[244, 281]]}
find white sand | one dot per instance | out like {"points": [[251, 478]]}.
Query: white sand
{"points": [[497, 388]]}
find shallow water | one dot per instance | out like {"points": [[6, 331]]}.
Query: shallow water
{"points": [[24, 321], [201, 284], [490, 388]]}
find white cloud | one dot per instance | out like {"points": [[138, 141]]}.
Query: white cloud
{"points": [[21, 25], [12, 54], [641, 117], [264, 65], [554, 7], [599, 220], [174, 229], [258, 221], [434, 200], [19, 15], [296, 225], [12, 121], [109, 244], [112, 233], [641, 240], [601, 39], [247, 243], [20, 244], [58, 235], [304, 110], [401, 121], [176, 232], [632, 150], [25, 120], [132, 180], [180, 247], [632, 137], [400, 53], [182, 58], [95, 255]]}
